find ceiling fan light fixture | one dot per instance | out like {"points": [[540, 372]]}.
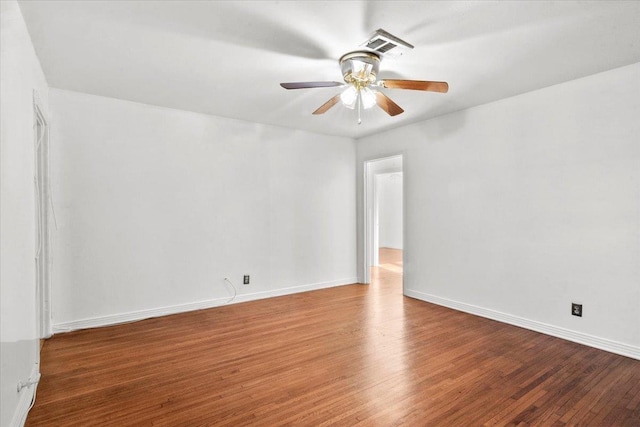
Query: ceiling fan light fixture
{"points": [[360, 67], [349, 97], [368, 98]]}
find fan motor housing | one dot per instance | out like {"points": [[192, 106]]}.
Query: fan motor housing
{"points": [[360, 67]]}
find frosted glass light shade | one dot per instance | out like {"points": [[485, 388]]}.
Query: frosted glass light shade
{"points": [[368, 97], [349, 97]]}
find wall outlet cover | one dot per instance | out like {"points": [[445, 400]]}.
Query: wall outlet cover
{"points": [[576, 309]]}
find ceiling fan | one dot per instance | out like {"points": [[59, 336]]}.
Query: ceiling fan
{"points": [[360, 72]]}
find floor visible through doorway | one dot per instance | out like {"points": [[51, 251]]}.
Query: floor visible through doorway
{"points": [[390, 259]]}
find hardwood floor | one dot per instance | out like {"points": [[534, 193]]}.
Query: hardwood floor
{"points": [[352, 355]]}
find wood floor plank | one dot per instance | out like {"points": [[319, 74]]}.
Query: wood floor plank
{"points": [[351, 355]]}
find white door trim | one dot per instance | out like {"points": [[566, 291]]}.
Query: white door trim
{"points": [[369, 193], [42, 198]]}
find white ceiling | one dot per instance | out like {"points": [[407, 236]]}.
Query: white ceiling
{"points": [[228, 58]]}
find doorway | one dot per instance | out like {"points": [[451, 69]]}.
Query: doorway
{"points": [[384, 216], [42, 196]]}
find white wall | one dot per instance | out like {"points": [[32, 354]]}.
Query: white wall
{"points": [[156, 206], [20, 74], [389, 189], [519, 207]]}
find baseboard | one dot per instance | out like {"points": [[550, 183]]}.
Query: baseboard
{"points": [[115, 319], [295, 289], [24, 403], [567, 334]]}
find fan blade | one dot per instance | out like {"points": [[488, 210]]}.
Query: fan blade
{"points": [[307, 85], [387, 104], [330, 103], [441, 87]]}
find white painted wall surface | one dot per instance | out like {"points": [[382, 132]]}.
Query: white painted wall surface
{"points": [[20, 74], [157, 206], [389, 188], [519, 207]]}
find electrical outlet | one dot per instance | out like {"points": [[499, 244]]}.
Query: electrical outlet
{"points": [[576, 309], [246, 279]]}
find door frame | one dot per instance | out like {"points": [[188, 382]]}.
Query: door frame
{"points": [[42, 196], [369, 203]]}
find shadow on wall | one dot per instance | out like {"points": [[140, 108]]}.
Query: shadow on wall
{"points": [[438, 128]]}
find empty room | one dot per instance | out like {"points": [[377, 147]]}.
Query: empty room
{"points": [[265, 213]]}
